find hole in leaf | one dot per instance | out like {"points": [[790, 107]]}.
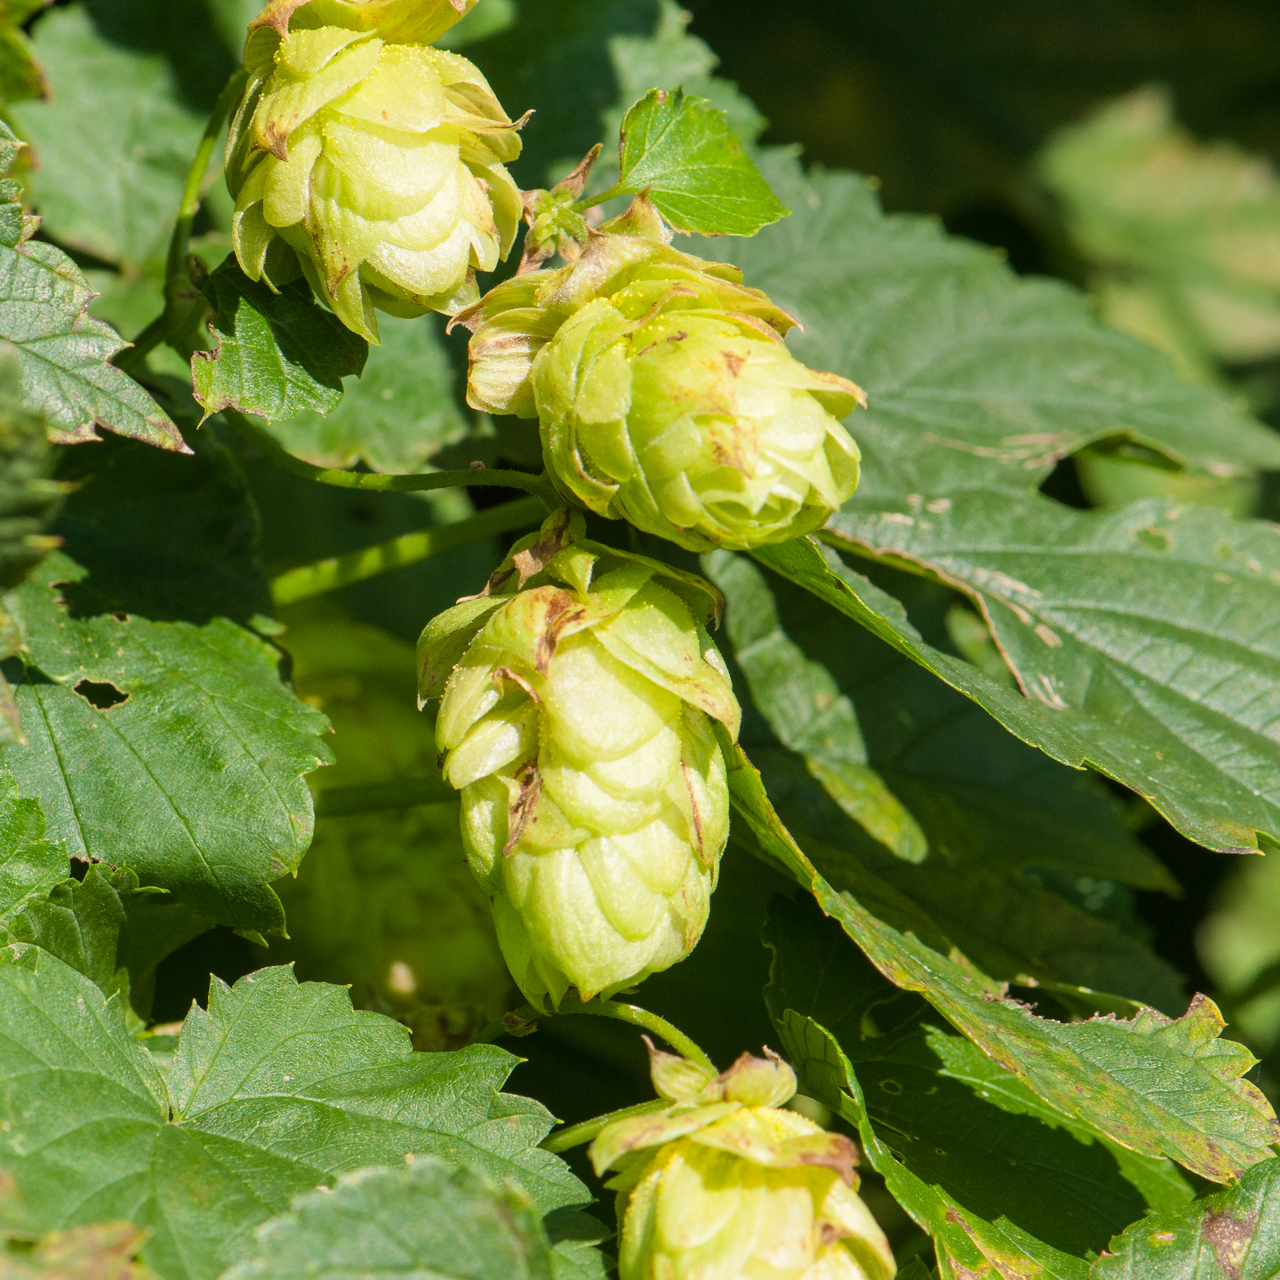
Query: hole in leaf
{"points": [[101, 694]]}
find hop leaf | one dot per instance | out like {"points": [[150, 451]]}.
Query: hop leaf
{"points": [[578, 695], [368, 161], [666, 394], [723, 1181]]}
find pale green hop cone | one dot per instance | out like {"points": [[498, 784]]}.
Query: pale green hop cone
{"points": [[369, 160], [578, 695], [666, 393], [724, 1184]]}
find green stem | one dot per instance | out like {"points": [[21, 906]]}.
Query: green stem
{"points": [[577, 1134], [175, 264], [590, 202], [262, 440], [638, 1017], [341, 571]]}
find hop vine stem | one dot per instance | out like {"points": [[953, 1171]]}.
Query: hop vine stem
{"points": [[410, 548]]}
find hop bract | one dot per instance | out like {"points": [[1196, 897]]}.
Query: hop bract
{"points": [[368, 159], [724, 1185], [666, 394], [579, 692]]}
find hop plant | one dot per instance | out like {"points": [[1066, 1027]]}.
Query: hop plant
{"points": [[578, 693], [369, 160], [384, 902], [725, 1184], [666, 394]]}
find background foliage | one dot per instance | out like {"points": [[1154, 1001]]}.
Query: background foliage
{"points": [[1062, 555]]}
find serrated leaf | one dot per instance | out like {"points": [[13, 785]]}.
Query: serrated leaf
{"points": [[149, 743], [105, 1251], [399, 412], [275, 1089], [30, 864], [1181, 234], [1234, 1235], [972, 791], [112, 144], [973, 375], [109, 928], [963, 1134], [806, 708], [1156, 629], [28, 500], [1159, 1086], [165, 536], [63, 353], [277, 354], [427, 1219], [680, 151]]}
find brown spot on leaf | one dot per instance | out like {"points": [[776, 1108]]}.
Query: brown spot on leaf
{"points": [[504, 675], [735, 362], [496, 579], [276, 140], [521, 811], [693, 809], [562, 611], [1229, 1238]]}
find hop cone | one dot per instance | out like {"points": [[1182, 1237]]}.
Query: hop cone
{"points": [[578, 697], [666, 393], [368, 159], [384, 902], [723, 1185]]}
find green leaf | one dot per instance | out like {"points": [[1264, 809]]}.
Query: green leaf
{"points": [[112, 144], [105, 1251], [1234, 1235], [149, 743], [971, 791], [21, 76], [1156, 629], [63, 353], [166, 536], [398, 414], [110, 929], [1159, 1086], [974, 376], [30, 864], [1180, 234], [276, 1089], [28, 500], [277, 355], [963, 1134], [426, 1219], [680, 152], [806, 708]]}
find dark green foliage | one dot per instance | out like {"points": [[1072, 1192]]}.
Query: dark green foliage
{"points": [[1036, 649]]}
